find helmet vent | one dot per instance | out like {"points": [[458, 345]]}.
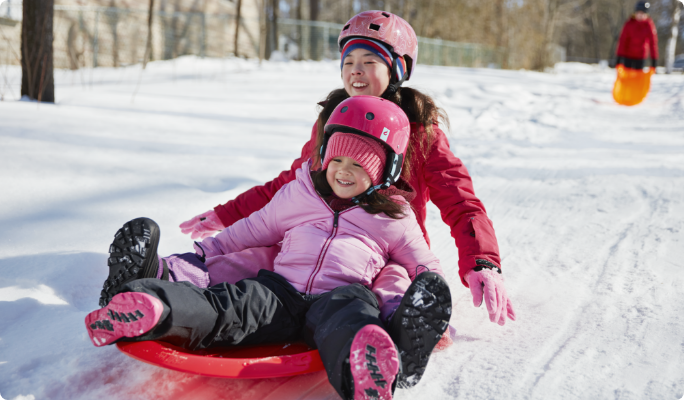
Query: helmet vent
{"points": [[375, 27], [344, 109], [370, 116], [346, 27], [385, 14]]}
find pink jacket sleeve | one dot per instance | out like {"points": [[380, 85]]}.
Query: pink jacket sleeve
{"points": [[257, 197], [389, 287], [409, 257], [260, 229], [412, 251]]}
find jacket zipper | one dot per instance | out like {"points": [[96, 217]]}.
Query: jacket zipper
{"points": [[321, 256]]}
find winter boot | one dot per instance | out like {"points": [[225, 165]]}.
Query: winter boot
{"points": [[374, 364], [418, 324], [132, 255], [128, 314]]}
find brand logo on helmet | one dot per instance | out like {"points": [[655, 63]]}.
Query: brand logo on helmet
{"points": [[385, 134]]}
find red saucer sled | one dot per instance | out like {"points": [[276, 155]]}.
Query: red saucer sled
{"points": [[243, 362]]}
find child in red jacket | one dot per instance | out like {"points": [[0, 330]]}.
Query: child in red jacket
{"points": [[638, 40], [379, 53]]}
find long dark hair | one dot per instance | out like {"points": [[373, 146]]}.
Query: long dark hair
{"points": [[420, 109], [375, 203]]}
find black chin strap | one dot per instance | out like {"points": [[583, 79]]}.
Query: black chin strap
{"points": [[393, 87], [358, 198]]}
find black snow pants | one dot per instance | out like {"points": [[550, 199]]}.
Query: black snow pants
{"points": [[264, 309]]}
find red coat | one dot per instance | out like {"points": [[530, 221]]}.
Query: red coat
{"points": [[443, 179], [638, 40]]}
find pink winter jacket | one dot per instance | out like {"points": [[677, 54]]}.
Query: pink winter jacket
{"points": [[322, 249]]}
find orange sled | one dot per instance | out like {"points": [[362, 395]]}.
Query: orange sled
{"points": [[631, 85]]}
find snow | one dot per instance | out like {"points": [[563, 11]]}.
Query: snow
{"points": [[586, 196]]}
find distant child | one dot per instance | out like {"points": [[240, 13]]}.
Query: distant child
{"points": [[339, 227], [638, 40]]}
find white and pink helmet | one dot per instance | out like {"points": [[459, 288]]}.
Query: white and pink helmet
{"points": [[387, 28]]}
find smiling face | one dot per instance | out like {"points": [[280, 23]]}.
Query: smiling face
{"points": [[346, 177], [365, 73]]}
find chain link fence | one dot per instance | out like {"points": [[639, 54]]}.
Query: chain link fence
{"points": [[114, 37], [315, 40]]}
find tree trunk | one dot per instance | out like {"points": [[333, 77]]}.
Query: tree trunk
{"points": [[71, 47], [263, 28], [672, 40], [300, 52], [595, 30], [501, 33], [112, 18], [548, 26], [313, 37], [237, 27], [273, 32], [37, 80], [148, 45]]}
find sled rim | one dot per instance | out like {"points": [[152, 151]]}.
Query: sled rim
{"points": [[254, 362]]}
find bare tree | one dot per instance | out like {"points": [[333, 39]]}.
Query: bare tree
{"points": [[148, 44], [672, 40], [74, 54], [263, 28], [593, 12], [112, 17], [313, 38], [298, 15], [37, 81], [237, 27], [272, 28]]}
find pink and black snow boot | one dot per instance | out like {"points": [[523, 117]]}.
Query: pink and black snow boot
{"points": [[132, 255], [129, 314], [418, 324], [374, 364]]}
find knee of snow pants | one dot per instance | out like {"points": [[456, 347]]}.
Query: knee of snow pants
{"points": [[332, 322], [249, 312]]}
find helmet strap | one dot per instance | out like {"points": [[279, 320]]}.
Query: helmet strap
{"points": [[358, 198], [391, 175], [393, 167], [393, 87]]}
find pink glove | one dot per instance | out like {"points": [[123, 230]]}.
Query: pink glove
{"points": [[489, 284], [203, 225]]}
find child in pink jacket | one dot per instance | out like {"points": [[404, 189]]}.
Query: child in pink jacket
{"points": [[338, 228]]}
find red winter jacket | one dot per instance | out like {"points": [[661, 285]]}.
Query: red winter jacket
{"points": [[638, 40], [442, 178]]}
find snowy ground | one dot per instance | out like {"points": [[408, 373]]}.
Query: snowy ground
{"points": [[587, 198]]}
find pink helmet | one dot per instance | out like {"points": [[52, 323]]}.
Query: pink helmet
{"points": [[377, 118], [386, 28]]}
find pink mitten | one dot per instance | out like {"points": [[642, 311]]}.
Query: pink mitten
{"points": [[447, 339], [489, 284], [202, 225]]}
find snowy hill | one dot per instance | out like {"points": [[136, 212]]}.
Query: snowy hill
{"points": [[587, 199]]}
